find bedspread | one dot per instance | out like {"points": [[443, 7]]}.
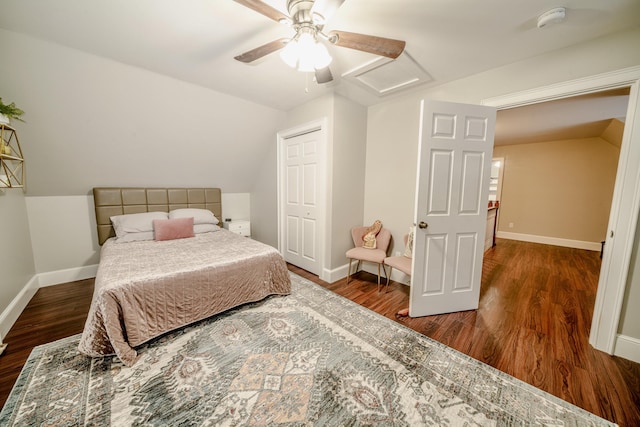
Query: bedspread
{"points": [[144, 289]]}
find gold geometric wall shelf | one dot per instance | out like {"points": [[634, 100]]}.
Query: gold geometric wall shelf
{"points": [[11, 159]]}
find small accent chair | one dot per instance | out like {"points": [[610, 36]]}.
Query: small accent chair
{"points": [[376, 255], [401, 262]]}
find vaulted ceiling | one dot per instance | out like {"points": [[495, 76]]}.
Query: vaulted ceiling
{"points": [[196, 40], [584, 116]]}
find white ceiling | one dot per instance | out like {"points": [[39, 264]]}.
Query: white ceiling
{"points": [[196, 40]]}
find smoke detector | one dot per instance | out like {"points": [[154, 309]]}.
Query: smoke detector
{"points": [[552, 16]]}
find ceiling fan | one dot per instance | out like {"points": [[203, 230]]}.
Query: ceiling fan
{"points": [[305, 50]]}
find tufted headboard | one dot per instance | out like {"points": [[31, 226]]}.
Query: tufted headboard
{"points": [[110, 201]]}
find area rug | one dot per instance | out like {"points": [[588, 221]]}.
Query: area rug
{"points": [[309, 359]]}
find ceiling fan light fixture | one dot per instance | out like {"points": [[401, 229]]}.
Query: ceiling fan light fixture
{"points": [[305, 64], [305, 53], [322, 59], [290, 53]]}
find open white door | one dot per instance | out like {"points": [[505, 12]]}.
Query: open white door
{"points": [[454, 162]]}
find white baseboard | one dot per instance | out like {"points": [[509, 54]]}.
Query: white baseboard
{"points": [[10, 314], [400, 277], [555, 241], [67, 275], [341, 272], [335, 274], [627, 348]]}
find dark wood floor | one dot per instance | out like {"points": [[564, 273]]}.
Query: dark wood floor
{"points": [[533, 323]]}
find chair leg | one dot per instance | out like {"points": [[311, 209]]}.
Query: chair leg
{"points": [[386, 275], [349, 272]]}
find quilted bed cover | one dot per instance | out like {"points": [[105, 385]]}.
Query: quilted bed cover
{"points": [[144, 289]]}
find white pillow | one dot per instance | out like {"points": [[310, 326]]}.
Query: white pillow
{"points": [[136, 223], [136, 237], [408, 249], [204, 228], [200, 216]]}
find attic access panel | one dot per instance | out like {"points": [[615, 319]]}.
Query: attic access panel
{"points": [[384, 76]]}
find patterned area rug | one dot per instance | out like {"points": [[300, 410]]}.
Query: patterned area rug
{"points": [[311, 358]]}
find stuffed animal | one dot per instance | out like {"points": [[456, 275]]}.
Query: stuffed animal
{"points": [[369, 237]]}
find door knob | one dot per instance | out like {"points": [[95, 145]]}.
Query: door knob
{"points": [[423, 224]]}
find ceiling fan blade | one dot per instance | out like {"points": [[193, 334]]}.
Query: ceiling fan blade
{"points": [[264, 9], [326, 8], [390, 48], [261, 51], [324, 75]]}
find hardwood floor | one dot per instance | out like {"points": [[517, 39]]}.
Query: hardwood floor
{"points": [[533, 323]]}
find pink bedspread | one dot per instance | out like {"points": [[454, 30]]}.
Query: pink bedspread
{"points": [[144, 289]]}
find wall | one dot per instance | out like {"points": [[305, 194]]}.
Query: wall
{"points": [[58, 220], [560, 190], [629, 324], [347, 176], [18, 267], [96, 122], [92, 122], [392, 127], [346, 155]]}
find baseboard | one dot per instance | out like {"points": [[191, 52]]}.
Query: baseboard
{"points": [[10, 314], [341, 272], [67, 275], [335, 274], [400, 277], [627, 348], [555, 241]]}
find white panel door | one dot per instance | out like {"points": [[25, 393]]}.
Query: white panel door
{"points": [[454, 162], [301, 163]]}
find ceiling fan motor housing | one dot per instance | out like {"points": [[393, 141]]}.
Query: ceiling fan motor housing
{"points": [[302, 16]]}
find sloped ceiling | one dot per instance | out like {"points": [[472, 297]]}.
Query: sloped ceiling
{"points": [[196, 40], [576, 117]]}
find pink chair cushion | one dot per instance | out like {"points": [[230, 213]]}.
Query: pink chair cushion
{"points": [[401, 263], [371, 255]]}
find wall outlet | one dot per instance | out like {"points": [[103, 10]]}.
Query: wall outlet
{"points": [[510, 225]]}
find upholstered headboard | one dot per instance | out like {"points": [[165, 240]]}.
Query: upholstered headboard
{"points": [[110, 201]]}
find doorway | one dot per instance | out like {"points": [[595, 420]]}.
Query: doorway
{"points": [[563, 158], [624, 207]]}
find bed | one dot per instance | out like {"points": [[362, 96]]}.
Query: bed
{"points": [[145, 288]]}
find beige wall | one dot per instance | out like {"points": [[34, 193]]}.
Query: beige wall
{"points": [[558, 189]]}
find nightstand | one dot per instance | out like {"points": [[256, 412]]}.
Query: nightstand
{"points": [[240, 227]]}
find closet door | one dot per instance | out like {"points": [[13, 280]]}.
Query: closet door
{"points": [[301, 163]]}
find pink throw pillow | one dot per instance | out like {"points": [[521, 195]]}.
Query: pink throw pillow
{"points": [[170, 229]]}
